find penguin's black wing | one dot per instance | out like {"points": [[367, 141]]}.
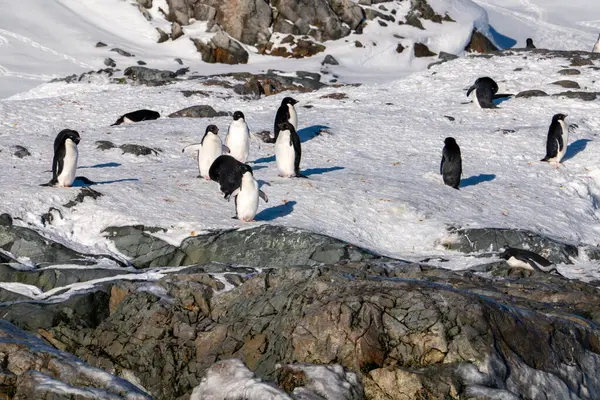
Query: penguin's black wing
{"points": [[202, 141], [58, 163], [283, 115], [484, 97], [295, 142], [554, 142], [443, 160], [470, 90]]}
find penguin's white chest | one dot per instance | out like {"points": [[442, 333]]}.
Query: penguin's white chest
{"points": [[284, 154], [210, 150], [238, 140], [475, 99], [516, 263], [67, 175], [293, 116], [565, 138], [247, 199], [596, 48]]}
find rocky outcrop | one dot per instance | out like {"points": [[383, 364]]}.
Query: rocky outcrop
{"points": [[480, 43], [149, 76], [221, 49], [201, 111]]}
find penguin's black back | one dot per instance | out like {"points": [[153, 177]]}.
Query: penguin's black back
{"points": [[525, 256], [227, 171], [283, 115], [554, 142], [137, 116], [451, 166]]}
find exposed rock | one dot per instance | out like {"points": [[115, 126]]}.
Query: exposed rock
{"points": [[357, 44], [20, 151], [421, 9], [201, 111], [585, 96], [489, 239], [580, 62], [329, 60], [421, 50], [176, 31], [178, 61], [480, 44], [105, 145], [162, 36], [190, 93], [145, 13], [122, 52], [447, 56], [399, 48], [138, 150], [567, 84], [179, 11], [221, 49], [101, 75], [336, 96], [140, 62], [100, 44], [569, 71], [145, 3], [149, 76], [84, 193], [531, 93], [109, 62], [298, 48]]}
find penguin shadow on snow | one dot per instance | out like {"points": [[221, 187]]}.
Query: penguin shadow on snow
{"points": [[279, 211], [504, 42], [105, 165], [476, 179], [311, 132], [575, 148], [82, 181], [264, 160], [319, 171]]}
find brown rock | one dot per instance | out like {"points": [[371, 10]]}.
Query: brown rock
{"points": [[480, 44], [421, 50], [567, 84]]}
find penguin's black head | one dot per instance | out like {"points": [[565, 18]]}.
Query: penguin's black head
{"points": [[285, 126], [449, 141], [559, 117], [246, 168], [288, 100], [71, 134], [529, 42], [237, 115], [212, 129], [507, 253]]}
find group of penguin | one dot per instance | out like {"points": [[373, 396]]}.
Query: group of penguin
{"points": [[222, 163]]}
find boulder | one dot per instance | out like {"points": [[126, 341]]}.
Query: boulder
{"points": [[567, 84], [149, 76], [585, 96], [176, 31], [421, 50], [480, 43], [531, 93], [329, 60], [221, 49], [201, 111], [179, 11]]}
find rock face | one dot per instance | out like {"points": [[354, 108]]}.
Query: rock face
{"points": [[480, 44], [149, 76], [221, 49]]}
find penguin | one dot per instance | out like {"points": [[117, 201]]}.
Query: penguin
{"points": [[247, 195], [451, 165], [209, 149], [519, 258], [556, 143], [288, 151], [137, 116], [64, 162], [530, 44], [238, 137], [286, 113], [485, 88], [227, 171], [596, 48]]}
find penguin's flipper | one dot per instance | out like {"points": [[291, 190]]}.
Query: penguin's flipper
{"points": [[192, 147], [485, 97], [295, 139], [234, 194], [226, 149], [442, 164], [502, 96], [263, 196]]}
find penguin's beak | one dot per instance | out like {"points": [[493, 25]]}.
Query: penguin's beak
{"points": [[471, 89]]}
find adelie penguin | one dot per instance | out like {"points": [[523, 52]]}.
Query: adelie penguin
{"points": [[596, 48], [288, 151], [285, 113], [137, 116], [209, 148], [556, 142], [529, 44], [64, 161], [238, 137], [485, 90], [246, 195], [451, 165], [525, 259], [227, 172]]}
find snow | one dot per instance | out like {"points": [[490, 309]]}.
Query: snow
{"points": [[374, 169]]}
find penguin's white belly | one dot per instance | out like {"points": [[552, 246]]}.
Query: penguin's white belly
{"points": [[596, 48], [238, 142], [475, 99], [127, 120], [67, 175], [210, 150], [565, 138], [293, 117], [285, 156], [515, 263], [247, 201]]}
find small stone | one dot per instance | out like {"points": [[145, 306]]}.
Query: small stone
{"points": [[531, 93], [100, 44], [109, 62], [569, 71], [336, 96], [140, 62], [358, 44], [104, 145], [162, 36], [122, 52], [330, 60], [399, 48], [179, 61], [176, 31], [567, 84], [21, 152], [450, 118], [381, 23]]}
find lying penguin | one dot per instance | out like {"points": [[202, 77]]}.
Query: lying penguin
{"points": [[485, 89], [525, 259], [137, 116]]}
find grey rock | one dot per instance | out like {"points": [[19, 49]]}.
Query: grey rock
{"points": [[178, 61], [585, 96], [531, 93], [490, 239], [162, 36], [329, 60], [447, 56], [149, 76], [246, 20], [569, 71], [179, 11], [221, 49], [109, 62], [480, 43], [100, 44], [567, 84], [122, 52], [145, 3], [140, 62], [421, 50], [309, 75], [176, 31], [200, 111], [83, 194], [5, 220], [138, 150], [105, 145], [20, 151], [145, 13]]}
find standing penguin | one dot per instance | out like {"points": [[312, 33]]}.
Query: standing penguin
{"points": [[246, 196], [556, 143], [485, 88], [227, 171], [288, 151], [451, 165], [209, 149], [596, 48], [64, 162], [529, 44], [238, 137], [286, 113]]}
